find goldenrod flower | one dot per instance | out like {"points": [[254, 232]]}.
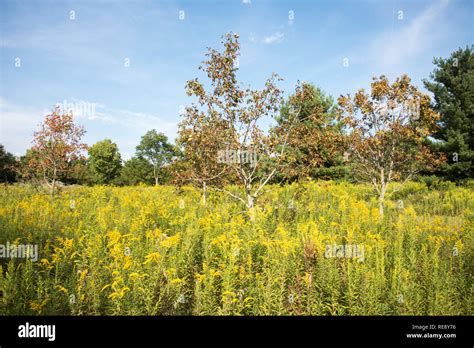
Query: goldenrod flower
{"points": [[61, 289], [153, 257]]}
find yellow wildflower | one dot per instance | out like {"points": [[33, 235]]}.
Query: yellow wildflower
{"points": [[61, 289], [153, 257], [171, 241]]}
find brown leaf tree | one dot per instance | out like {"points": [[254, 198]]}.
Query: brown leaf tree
{"points": [[56, 146], [228, 117], [200, 137], [388, 132]]}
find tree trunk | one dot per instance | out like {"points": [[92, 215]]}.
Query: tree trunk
{"points": [[250, 201], [53, 187], [382, 199], [155, 174], [250, 207], [53, 182], [250, 198], [204, 192]]}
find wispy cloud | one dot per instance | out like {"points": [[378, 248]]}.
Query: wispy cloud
{"points": [[140, 121], [18, 122], [93, 111], [246, 2], [274, 38], [393, 47]]}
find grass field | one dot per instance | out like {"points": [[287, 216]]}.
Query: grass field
{"points": [[160, 251]]}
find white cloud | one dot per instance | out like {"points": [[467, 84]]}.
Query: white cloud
{"points": [[82, 109], [17, 124], [246, 2], [393, 47], [275, 38], [134, 125], [142, 121], [93, 111]]}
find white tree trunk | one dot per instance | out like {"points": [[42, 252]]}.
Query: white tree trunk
{"points": [[204, 193], [383, 189]]}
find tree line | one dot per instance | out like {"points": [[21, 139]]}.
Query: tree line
{"points": [[394, 132]]}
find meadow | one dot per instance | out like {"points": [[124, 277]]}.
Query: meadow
{"points": [[161, 251]]}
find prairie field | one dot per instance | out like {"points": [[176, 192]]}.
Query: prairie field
{"points": [[162, 251]]}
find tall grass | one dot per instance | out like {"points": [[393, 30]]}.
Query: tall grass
{"points": [[159, 251]]}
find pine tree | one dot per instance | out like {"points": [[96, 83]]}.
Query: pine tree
{"points": [[452, 83]]}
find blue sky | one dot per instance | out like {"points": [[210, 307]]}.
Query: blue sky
{"points": [[130, 59]]}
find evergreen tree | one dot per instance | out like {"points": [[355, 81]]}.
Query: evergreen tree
{"points": [[452, 83]]}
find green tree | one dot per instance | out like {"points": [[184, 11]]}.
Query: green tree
{"points": [[104, 162], [316, 142], [452, 83], [154, 147], [79, 173], [7, 166], [25, 172], [135, 171]]}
